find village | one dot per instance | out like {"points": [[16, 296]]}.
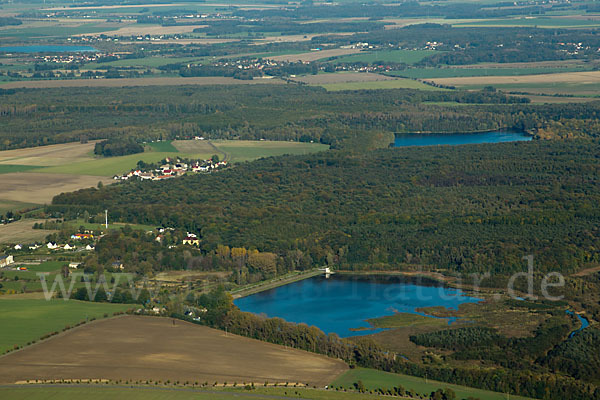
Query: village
{"points": [[171, 168]]}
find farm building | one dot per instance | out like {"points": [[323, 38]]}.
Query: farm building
{"points": [[6, 260]]}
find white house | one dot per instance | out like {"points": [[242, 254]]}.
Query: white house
{"points": [[68, 247], [18, 247], [74, 265], [88, 247], [6, 260], [52, 245]]}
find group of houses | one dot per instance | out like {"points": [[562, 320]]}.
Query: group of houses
{"points": [[171, 169], [67, 246]]}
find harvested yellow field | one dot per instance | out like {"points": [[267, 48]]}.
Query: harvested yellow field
{"points": [[587, 77], [22, 232], [40, 188], [45, 156], [143, 348]]}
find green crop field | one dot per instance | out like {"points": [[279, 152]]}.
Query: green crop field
{"points": [[398, 56], [25, 320], [164, 147], [8, 168], [247, 150], [94, 391], [373, 379], [388, 84]]}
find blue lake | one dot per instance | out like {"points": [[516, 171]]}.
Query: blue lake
{"points": [[46, 49], [340, 304], [421, 139]]}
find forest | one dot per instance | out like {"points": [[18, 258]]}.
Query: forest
{"points": [[387, 209], [364, 119]]}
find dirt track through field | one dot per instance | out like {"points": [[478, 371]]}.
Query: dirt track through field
{"points": [[143, 348]]}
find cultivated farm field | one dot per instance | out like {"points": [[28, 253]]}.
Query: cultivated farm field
{"points": [[22, 232], [585, 83], [144, 348], [25, 320], [41, 187]]}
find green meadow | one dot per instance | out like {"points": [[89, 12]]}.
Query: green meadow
{"points": [[373, 379], [398, 56], [247, 150], [164, 147]]}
